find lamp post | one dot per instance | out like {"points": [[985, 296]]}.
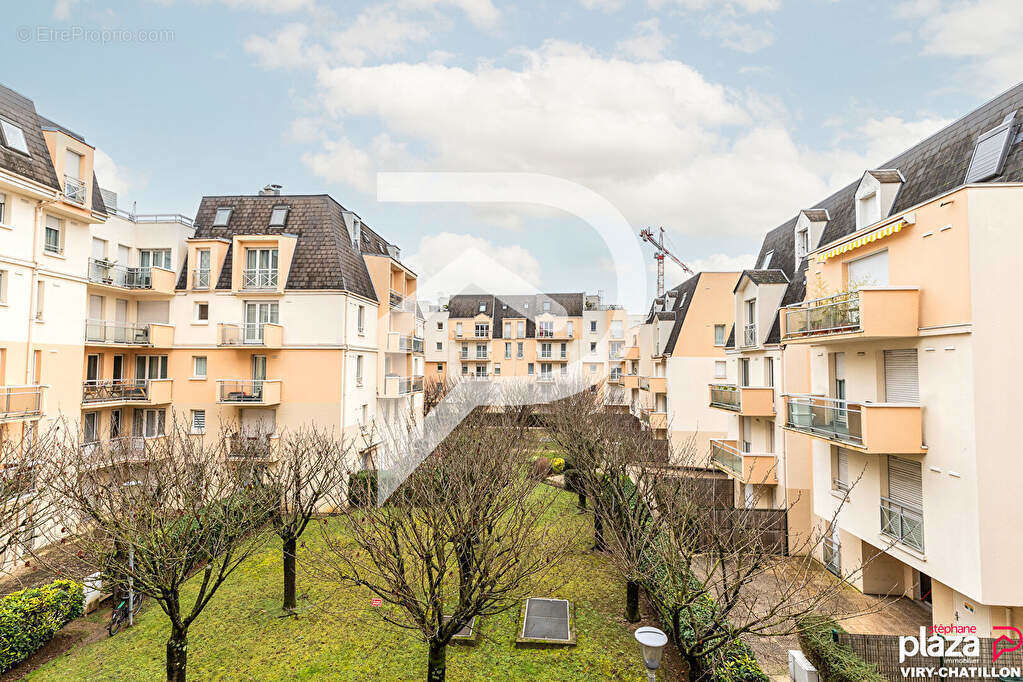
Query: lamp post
{"points": [[651, 641]]}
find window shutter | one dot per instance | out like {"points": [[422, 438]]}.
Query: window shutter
{"points": [[905, 482], [843, 465], [198, 420], [989, 155], [871, 271], [901, 376]]}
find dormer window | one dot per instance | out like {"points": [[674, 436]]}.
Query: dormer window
{"points": [[278, 216], [14, 136], [876, 194], [765, 262], [546, 306], [223, 217], [868, 209], [483, 306], [802, 243]]}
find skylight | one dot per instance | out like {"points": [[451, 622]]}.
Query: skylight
{"points": [[766, 262], [279, 216], [989, 155], [14, 137], [222, 217]]}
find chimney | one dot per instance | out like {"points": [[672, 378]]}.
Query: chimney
{"points": [[270, 191]]}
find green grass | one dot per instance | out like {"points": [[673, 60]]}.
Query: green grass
{"points": [[241, 636]]}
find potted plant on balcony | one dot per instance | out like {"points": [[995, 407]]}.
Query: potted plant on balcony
{"points": [[105, 265]]}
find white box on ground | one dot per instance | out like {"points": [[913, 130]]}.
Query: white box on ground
{"points": [[93, 588], [800, 669]]}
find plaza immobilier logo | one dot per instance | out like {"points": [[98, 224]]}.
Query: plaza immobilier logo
{"points": [[960, 643]]}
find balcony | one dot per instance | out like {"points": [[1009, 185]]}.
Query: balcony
{"points": [[653, 418], [261, 334], [873, 428], [142, 280], [417, 383], [545, 377], [262, 448], [114, 392], [631, 353], [630, 381], [615, 354], [748, 401], [20, 402], [249, 391], [201, 278], [615, 378], [758, 468], [866, 314], [260, 279], [903, 523], [396, 386], [552, 355], [116, 451], [104, 333], [401, 343], [749, 336], [653, 384], [395, 299], [74, 190], [475, 377], [555, 333]]}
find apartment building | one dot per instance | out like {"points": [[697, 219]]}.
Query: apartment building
{"points": [[867, 368], [679, 346]]}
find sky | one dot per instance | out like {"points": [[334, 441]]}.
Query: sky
{"points": [[716, 119]]}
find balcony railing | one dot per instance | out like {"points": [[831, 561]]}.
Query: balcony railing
{"points": [[106, 272], [417, 344], [240, 390], [115, 451], [101, 331], [115, 390], [545, 377], [20, 401], [201, 279], [725, 396], [826, 417], [395, 298], [726, 456], [749, 335], [830, 315], [903, 522], [417, 384], [74, 189], [249, 447], [259, 278]]}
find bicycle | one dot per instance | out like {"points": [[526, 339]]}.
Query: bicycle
{"points": [[119, 615]]}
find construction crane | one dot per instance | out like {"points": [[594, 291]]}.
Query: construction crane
{"points": [[647, 234]]}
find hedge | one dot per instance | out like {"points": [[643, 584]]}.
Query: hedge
{"points": [[835, 662], [29, 618], [362, 488]]}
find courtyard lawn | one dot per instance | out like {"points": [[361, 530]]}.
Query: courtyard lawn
{"points": [[241, 635]]}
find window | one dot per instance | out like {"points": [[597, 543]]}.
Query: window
{"points": [[529, 368], [440, 366], [440, 345], [361, 319], [222, 217], [465, 369], [278, 216], [497, 368], [564, 370], [518, 350], [719, 335], [593, 346], [3, 286], [481, 351], [520, 329], [150, 423], [593, 325], [545, 330], [464, 349], [14, 137], [458, 329], [802, 243], [3, 209], [482, 330], [40, 298], [199, 366], [545, 350], [198, 421], [546, 306], [73, 164], [90, 427], [115, 423], [570, 328], [54, 235], [765, 262], [507, 351], [769, 372], [507, 330], [150, 367], [744, 371], [483, 306], [156, 258], [202, 312], [593, 369], [358, 370], [870, 271], [868, 209], [564, 350], [440, 326], [720, 369]]}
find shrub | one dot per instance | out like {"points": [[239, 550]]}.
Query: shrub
{"points": [[835, 662], [541, 468], [362, 488], [738, 664], [29, 618], [558, 465]]}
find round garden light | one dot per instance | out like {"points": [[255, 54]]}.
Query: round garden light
{"points": [[652, 642]]}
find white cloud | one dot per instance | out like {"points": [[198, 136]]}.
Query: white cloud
{"points": [[448, 263], [647, 42], [750, 6], [720, 262], [984, 33], [482, 13], [288, 49], [62, 9], [339, 160], [737, 35], [115, 178], [602, 5]]}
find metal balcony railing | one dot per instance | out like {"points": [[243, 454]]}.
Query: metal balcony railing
{"points": [[830, 315], [726, 456], [240, 391], [115, 450], [74, 189], [201, 279], [106, 272], [903, 522], [417, 384], [725, 396], [259, 278], [20, 401], [395, 298], [545, 377], [827, 417], [252, 333], [544, 333], [106, 390], [249, 447], [749, 335], [417, 344], [101, 331]]}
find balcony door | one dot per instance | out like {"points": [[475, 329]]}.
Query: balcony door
{"points": [[92, 368], [258, 313], [837, 361], [262, 266], [150, 367]]}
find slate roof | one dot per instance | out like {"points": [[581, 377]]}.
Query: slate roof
{"points": [[681, 297], [730, 343], [324, 255], [526, 306], [771, 276], [934, 166], [37, 165]]}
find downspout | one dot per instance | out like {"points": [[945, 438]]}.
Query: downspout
{"points": [[32, 286]]}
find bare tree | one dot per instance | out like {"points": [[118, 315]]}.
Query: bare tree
{"points": [[303, 470], [155, 512], [463, 537], [434, 390], [24, 506]]}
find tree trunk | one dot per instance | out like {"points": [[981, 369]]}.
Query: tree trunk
{"points": [[436, 667], [289, 574], [177, 654], [632, 601], [582, 500], [464, 558], [598, 531]]}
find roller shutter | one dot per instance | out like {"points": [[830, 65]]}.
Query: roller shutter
{"points": [[901, 376], [905, 482]]}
